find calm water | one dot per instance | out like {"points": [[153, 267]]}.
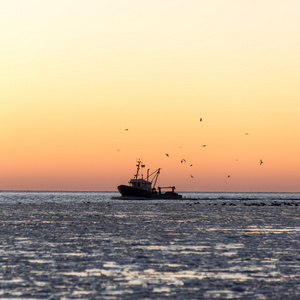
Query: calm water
{"points": [[84, 245]]}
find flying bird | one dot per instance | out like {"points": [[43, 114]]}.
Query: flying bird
{"points": [[260, 163], [191, 165], [200, 119], [246, 133], [167, 154], [126, 129], [203, 145], [191, 176], [183, 160], [228, 176]]}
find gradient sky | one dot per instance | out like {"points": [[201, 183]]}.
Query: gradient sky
{"points": [[75, 74]]}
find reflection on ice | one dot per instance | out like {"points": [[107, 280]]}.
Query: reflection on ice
{"points": [[156, 250], [131, 275], [40, 261], [162, 290], [230, 246], [171, 247], [13, 281], [259, 230]]}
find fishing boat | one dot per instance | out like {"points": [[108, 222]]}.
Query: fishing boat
{"points": [[145, 188]]}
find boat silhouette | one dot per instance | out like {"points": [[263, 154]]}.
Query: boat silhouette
{"points": [[145, 188]]}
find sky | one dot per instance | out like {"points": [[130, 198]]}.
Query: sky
{"points": [[76, 74]]}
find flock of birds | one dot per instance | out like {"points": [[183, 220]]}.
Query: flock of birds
{"points": [[204, 145]]}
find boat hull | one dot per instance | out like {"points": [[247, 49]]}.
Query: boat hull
{"points": [[128, 191]]}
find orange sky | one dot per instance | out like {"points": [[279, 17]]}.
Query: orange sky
{"points": [[76, 74]]}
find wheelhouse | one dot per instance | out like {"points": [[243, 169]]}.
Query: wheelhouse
{"points": [[140, 184]]}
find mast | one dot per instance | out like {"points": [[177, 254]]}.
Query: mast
{"points": [[137, 169], [155, 173]]}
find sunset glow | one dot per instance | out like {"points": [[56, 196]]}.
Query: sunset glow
{"points": [[76, 74]]}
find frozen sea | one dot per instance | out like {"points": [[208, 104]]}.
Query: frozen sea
{"points": [[81, 197], [88, 245]]}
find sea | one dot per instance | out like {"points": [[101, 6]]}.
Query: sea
{"points": [[80, 197], [94, 245]]}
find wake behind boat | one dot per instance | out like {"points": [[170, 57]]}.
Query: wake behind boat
{"points": [[145, 188]]}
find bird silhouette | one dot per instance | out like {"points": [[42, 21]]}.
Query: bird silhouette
{"points": [[191, 165], [191, 176], [200, 119], [183, 161], [203, 145], [228, 176], [260, 163], [126, 129], [167, 154], [246, 133]]}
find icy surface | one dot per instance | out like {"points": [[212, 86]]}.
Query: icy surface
{"points": [[133, 250]]}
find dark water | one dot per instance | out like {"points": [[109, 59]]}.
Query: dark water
{"points": [[79, 197], [88, 246]]}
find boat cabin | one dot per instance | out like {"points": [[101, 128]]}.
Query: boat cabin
{"points": [[140, 184]]}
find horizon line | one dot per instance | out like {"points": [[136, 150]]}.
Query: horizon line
{"points": [[97, 191]]}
